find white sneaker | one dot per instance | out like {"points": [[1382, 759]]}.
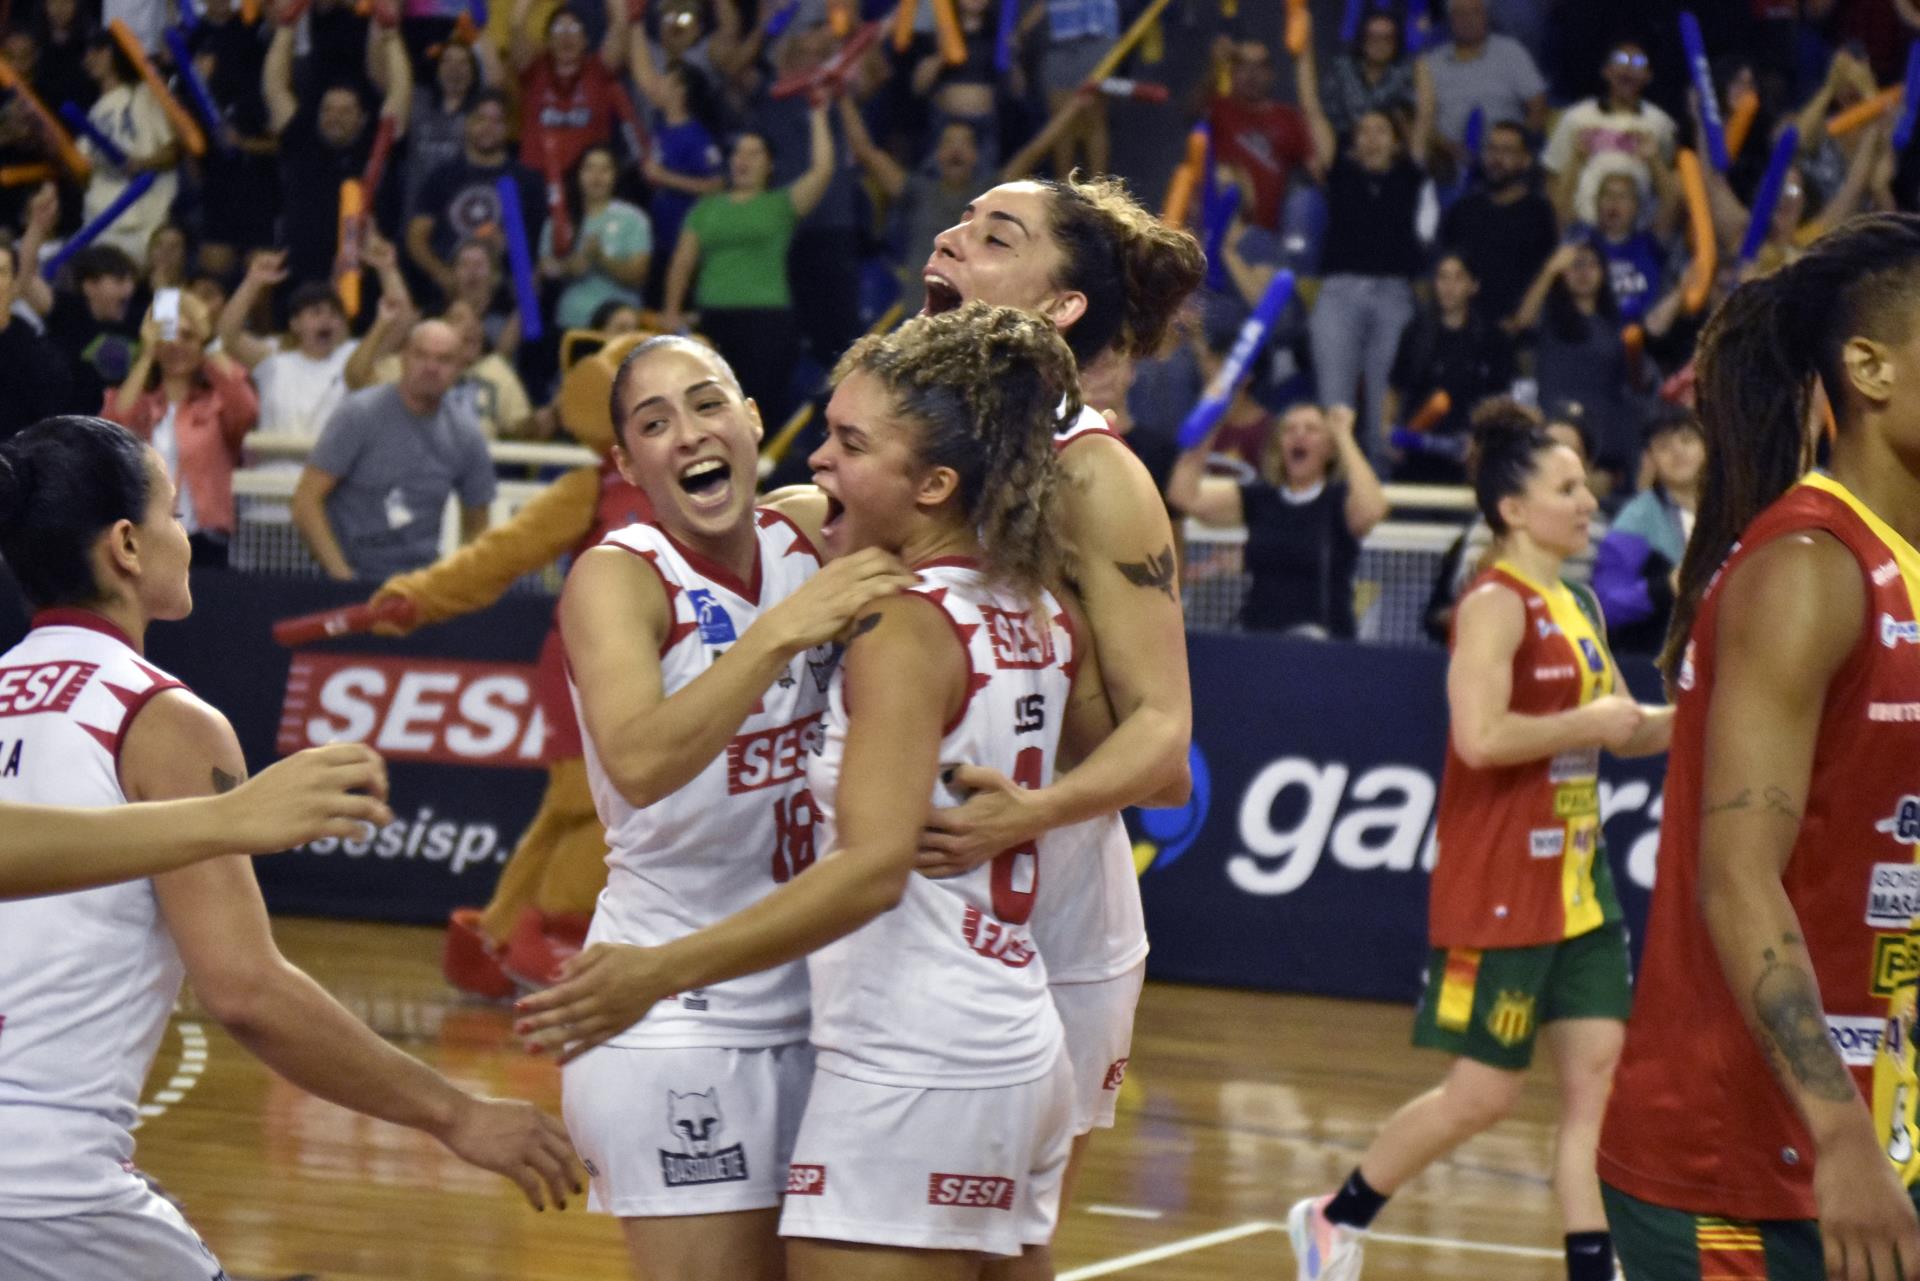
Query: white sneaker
{"points": [[1324, 1251]]}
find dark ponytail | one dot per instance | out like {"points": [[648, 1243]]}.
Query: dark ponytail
{"points": [[1758, 358], [1508, 439], [63, 482], [1135, 271]]}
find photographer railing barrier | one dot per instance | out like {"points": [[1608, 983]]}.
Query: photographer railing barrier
{"points": [[1299, 865]]}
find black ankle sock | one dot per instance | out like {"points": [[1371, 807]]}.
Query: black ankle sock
{"points": [[1589, 1256], [1355, 1204]]}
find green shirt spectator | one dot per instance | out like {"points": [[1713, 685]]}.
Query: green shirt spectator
{"points": [[743, 249]]}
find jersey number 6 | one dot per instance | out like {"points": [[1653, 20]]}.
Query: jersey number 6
{"points": [[1012, 904]]}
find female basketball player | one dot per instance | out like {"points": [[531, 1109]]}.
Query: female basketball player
{"points": [[88, 979], [323, 791], [1111, 277], [696, 650], [1782, 930], [939, 1121], [1523, 922]]}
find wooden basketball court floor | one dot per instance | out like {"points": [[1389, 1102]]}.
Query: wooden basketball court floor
{"points": [[1236, 1105]]}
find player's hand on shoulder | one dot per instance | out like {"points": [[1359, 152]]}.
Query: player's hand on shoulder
{"points": [[516, 1139], [821, 610], [997, 816], [337, 790], [602, 992]]}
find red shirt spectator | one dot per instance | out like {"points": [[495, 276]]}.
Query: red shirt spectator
{"points": [[567, 88], [1253, 133]]}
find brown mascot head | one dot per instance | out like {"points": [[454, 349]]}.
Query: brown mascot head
{"points": [[587, 389]]}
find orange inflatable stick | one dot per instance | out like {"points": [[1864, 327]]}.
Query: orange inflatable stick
{"points": [[903, 17], [182, 121], [1740, 122], [1180, 193], [1864, 112], [25, 175], [353, 204], [70, 157], [1438, 406], [1706, 249], [1299, 27], [953, 41]]}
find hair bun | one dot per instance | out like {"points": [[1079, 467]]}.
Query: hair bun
{"points": [[1498, 425]]}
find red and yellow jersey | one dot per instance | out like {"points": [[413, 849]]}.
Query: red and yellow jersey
{"points": [[1697, 1121], [1519, 859]]}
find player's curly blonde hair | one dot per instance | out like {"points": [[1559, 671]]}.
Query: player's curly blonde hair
{"points": [[988, 387]]}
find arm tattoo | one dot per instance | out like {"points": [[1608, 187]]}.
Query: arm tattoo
{"points": [[864, 625], [223, 781], [1774, 803], [1793, 1028], [1156, 572]]}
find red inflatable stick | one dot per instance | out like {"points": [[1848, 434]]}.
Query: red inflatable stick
{"points": [[348, 620], [832, 74]]}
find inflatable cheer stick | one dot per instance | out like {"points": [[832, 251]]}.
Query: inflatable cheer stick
{"points": [[57, 138], [91, 232], [107, 147], [953, 41], [1700, 235], [183, 124], [559, 217], [24, 175], [349, 620], [1864, 112], [1003, 36], [1299, 27], [1124, 45], [1696, 47], [1767, 198], [781, 19], [196, 87], [1205, 415], [1437, 407], [346, 273], [1740, 123], [519, 258], [1910, 104], [1186, 180], [1215, 220], [832, 74], [1419, 27], [1350, 21], [903, 16], [1138, 90]]}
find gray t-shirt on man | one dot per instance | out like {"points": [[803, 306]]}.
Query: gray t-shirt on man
{"points": [[395, 470]]}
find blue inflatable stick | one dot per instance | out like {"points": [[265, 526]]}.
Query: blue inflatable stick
{"points": [[1767, 198], [196, 87], [477, 9], [82, 126], [1710, 121], [1419, 27], [1003, 36], [1253, 336], [91, 232], [519, 258], [1909, 104], [1350, 21], [782, 19], [1216, 218]]}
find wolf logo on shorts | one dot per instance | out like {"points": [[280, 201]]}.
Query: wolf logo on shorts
{"points": [[695, 1120]]}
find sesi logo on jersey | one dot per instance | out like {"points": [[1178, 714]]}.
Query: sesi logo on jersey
{"points": [[417, 709], [994, 940], [771, 756], [981, 1191], [1017, 643], [43, 687], [806, 1180]]}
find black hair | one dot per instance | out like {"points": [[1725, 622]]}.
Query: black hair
{"points": [[1508, 439], [1134, 270], [315, 293], [658, 343], [1759, 357], [96, 261], [1666, 417], [575, 197], [703, 104], [63, 482], [1564, 319], [486, 94], [122, 65], [1392, 20]]}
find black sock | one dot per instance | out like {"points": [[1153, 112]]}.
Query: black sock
{"points": [[1355, 1204], [1589, 1256]]}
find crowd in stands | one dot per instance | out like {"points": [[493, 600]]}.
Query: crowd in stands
{"points": [[1489, 205]]}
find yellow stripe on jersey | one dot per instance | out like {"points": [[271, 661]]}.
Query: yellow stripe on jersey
{"points": [[1896, 1078], [1579, 899]]}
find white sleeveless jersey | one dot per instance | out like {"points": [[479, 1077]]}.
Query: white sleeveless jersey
{"points": [[1089, 924], [946, 990], [87, 980], [744, 824]]}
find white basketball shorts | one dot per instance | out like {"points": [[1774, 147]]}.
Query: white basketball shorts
{"points": [[1098, 1018], [149, 1240]]}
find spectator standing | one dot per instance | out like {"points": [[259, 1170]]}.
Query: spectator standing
{"points": [[1371, 255], [300, 374], [1620, 122], [488, 388], [1377, 75], [1578, 355], [612, 244], [1304, 518], [1450, 347], [1504, 230], [97, 328], [967, 92], [324, 140], [230, 58], [1478, 69], [368, 502], [567, 88], [1262, 137], [1636, 257], [731, 263], [684, 162], [437, 125], [462, 198], [194, 409], [127, 113], [1636, 568], [34, 380]]}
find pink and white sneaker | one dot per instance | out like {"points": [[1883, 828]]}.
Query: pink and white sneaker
{"points": [[1324, 1251]]}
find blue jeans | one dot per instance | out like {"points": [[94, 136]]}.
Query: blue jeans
{"points": [[1355, 329]]}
